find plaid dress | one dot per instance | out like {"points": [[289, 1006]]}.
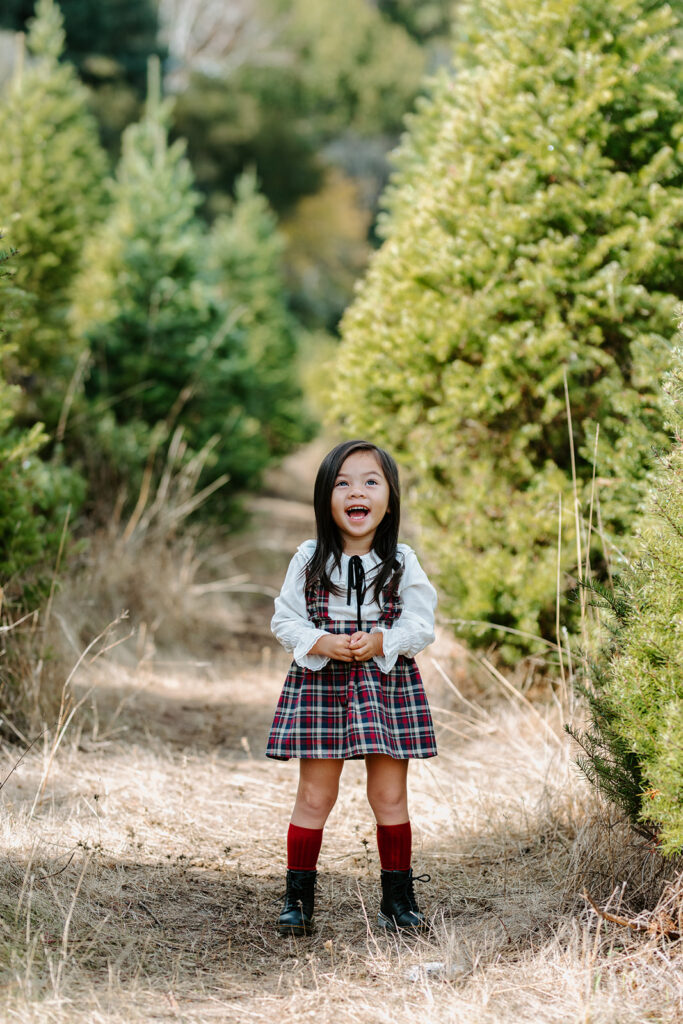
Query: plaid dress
{"points": [[350, 709]]}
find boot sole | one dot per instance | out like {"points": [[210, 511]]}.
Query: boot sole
{"points": [[286, 931], [390, 925]]}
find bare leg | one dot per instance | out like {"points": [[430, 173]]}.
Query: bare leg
{"points": [[387, 788], [388, 796], [317, 792]]}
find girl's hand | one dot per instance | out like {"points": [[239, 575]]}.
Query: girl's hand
{"points": [[333, 645], [366, 645]]}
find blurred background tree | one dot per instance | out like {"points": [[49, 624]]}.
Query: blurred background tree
{"points": [[50, 196], [185, 330], [108, 42], [430, 20], [322, 71], [312, 96]]}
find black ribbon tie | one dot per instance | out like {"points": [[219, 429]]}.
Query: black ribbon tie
{"points": [[356, 584]]}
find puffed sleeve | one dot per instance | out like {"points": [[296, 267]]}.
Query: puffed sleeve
{"points": [[413, 630], [290, 623]]}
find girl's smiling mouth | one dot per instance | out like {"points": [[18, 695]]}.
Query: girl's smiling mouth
{"points": [[357, 513]]}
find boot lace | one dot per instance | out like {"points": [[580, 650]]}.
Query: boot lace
{"points": [[298, 891], [407, 892], [410, 892]]}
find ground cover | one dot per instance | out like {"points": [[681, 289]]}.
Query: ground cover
{"points": [[143, 864]]}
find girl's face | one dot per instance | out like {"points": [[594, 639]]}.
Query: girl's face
{"points": [[360, 501]]}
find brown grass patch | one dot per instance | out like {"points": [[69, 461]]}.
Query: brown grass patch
{"points": [[144, 859], [146, 883]]}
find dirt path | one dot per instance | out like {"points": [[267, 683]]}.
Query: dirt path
{"points": [[144, 885]]}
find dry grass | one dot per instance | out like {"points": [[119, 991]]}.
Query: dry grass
{"points": [[144, 582], [144, 859], [145, 885]]}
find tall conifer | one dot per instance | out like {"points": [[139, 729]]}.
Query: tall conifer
{"points": [[634, 748], [172, 340], [34, 496], [50, 196], [246, 252], [533, 231]]}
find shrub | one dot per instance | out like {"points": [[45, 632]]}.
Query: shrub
{"points": [[633, 749]]}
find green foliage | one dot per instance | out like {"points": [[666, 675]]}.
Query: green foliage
{"points": [[109, 42], [175, 340], [50, 195], [634, 750], [254, 118], [357, 70], [246, 252], [424, 21], [330, 70], [532, 230], [34, 496]]}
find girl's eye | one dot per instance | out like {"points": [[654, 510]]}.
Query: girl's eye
{"points": [[371, 482], [340, 483]]}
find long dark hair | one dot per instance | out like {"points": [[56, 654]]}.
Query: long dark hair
{"points": [[329, 543]]}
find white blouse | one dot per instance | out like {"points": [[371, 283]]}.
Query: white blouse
{"points": [[412, 631]]}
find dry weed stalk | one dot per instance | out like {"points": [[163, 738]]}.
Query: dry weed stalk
{"points": [[69, 706], [658, 924], [176, 495], [659, 921]]}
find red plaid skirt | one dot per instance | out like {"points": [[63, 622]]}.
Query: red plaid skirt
{"points": [[350, 709]]}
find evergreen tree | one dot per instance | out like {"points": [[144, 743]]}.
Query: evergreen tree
{"points": [[140, 296], [357, 70], [50, 195], [246, 253], [109, 42], [532, 230], [634, 749], [141, 303], [34, 496], [427, 20], [332, 70], [167, 346]]}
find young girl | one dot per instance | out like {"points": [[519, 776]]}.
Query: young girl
{"points": [[354, 609]]}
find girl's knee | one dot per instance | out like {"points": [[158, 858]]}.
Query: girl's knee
{"points": [[317, 799], [387, 799]]}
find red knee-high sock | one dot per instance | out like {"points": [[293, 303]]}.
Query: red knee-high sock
{"points": [[303, 847], [395, 843]]}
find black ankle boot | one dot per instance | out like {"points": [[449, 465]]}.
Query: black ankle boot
{"points": [[399, 908], [297, 914]]}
